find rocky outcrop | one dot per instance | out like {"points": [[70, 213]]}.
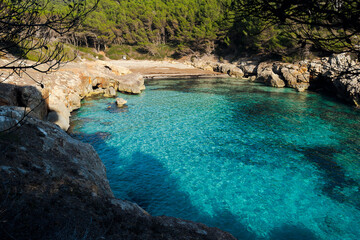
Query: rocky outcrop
{"points": [[131, 83], [249, 68], [296, 76], [342, 73], [230, 69], [25, 96], [61, 92], [55, 187], [338, 73], [266, 74]]}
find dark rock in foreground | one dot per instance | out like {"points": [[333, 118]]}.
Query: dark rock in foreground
{"points": [[55, 187]]}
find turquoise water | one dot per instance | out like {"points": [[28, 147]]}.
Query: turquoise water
{"points": [[258, 162]]}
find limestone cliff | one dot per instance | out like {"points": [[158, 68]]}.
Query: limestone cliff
{"points": [[53, 96]]}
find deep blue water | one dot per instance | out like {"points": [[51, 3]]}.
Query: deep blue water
{"points": [[256, 161]]}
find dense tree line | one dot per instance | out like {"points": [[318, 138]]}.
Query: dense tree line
{"points": [[326, 25], [186, 24], [279, 28]]}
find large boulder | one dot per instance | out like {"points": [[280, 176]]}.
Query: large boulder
{"points": [[266, 74], [131, 83], [227, 68], [8, 95], [295, 75], [249, 68], [29, 97], [236, 72]]}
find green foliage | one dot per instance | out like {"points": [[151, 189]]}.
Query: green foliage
{"points": [[328, 26], [68, 52], [89, 53], [116, 52], [195, 24], [161, 28]]}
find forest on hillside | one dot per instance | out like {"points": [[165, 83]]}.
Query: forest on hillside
{"points": [[278, 29], [186, 26]]}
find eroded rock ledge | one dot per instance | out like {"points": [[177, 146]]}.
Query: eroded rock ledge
{"points": [[55, 187], [339, 74], [54, 96]]}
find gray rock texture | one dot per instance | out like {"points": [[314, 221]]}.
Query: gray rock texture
{"points": [[343, 73], [29, 97]]}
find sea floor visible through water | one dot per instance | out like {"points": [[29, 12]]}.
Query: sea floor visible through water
{"points": [[256, 161]]}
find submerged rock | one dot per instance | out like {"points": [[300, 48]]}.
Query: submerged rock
{"points": [[55, 187]]}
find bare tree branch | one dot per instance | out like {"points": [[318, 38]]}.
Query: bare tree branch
{"points": [[28, 26]]}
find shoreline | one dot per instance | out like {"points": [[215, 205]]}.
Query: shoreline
{"points": [[184, 76], [39, 143]]}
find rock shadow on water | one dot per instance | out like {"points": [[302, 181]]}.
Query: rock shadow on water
{"points": [[75, 122], [335, 176], [97, 139], [113, 108], [157, 183], [188, 85], [292, 232]]}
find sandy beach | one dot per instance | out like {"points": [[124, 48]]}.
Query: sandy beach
{"points": [[164, 69]]}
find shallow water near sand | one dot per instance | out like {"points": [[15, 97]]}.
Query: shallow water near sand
{"points": [[256, 161]]}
